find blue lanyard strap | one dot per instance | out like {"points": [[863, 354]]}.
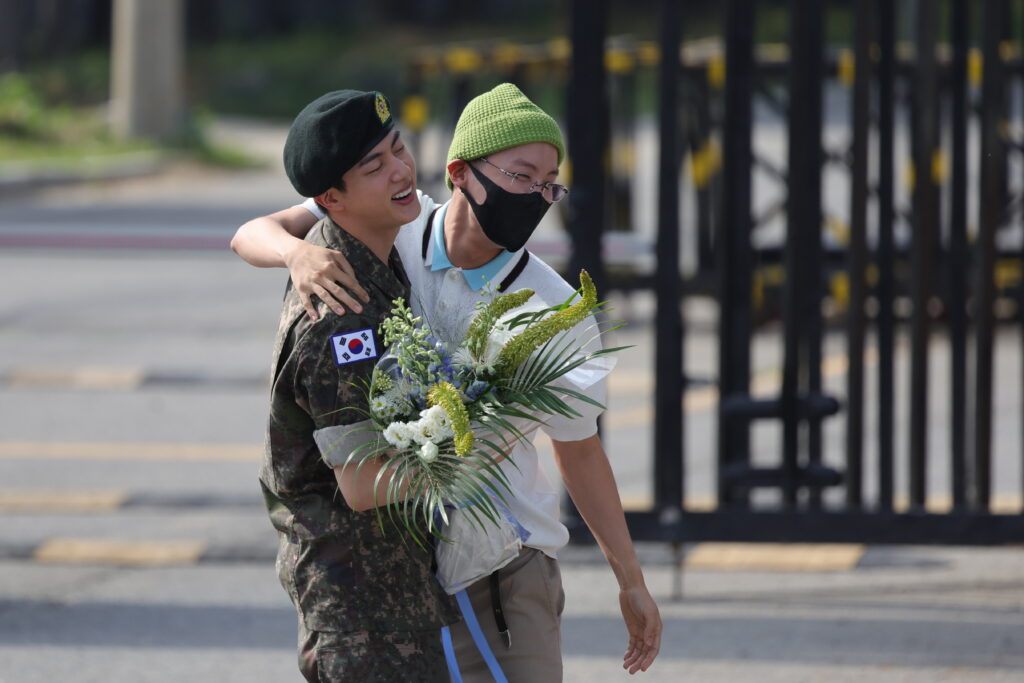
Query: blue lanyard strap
{"points": [[478, 637], [449, 655]]}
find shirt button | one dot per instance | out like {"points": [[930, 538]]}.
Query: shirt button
{"points": [[452, 274]]}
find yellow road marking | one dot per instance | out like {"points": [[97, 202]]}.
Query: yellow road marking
{"points": [[776, 556], [129, 451], [61, 501], [118, 552], [78, 378]]}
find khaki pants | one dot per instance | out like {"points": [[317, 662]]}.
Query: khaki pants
{"points": [[532, 600]]}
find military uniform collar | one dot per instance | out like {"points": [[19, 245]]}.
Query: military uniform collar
{"points": [[389, 277]]}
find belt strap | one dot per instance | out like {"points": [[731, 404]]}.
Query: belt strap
{"points": [[499, 613]]}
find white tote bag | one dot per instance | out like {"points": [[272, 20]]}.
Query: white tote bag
{"points": [[472, 552]]}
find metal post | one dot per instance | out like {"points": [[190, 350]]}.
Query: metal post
{"points": [[923, 244], [622, 100], [802, 310], [701, 137], [461, 95], [990, 210], [587, 109], [813, 291], [886, 261], [958, 255], [857, 257], [670, 382], [733, 243]]}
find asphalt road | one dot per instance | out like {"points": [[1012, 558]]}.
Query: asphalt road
{"points": [[135, 548]]}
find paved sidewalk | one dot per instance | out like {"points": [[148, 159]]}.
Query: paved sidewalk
{"points": [[908, 614], [912, 614]]}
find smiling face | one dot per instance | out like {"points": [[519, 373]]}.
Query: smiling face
{"points": [[380, 190]]}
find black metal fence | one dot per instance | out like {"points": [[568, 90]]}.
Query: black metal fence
{"points": [[947, 276], [926, 253]]}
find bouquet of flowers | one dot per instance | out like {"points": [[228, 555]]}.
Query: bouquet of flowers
{"points": [[445, 417]]}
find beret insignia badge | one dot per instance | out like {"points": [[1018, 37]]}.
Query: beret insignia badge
{"points": [[383, 113]]}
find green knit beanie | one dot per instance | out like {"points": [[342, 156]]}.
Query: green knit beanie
{"points": [[500, 119]]}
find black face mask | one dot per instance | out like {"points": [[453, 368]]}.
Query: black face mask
{"points": [[508, 219]]}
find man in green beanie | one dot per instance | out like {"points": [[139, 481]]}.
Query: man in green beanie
{"points": [[368, 603], [503, 164]]}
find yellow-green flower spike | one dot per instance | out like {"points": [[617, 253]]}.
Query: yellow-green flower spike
{"points": [[485, 320], [519, 349], [447, 396]]}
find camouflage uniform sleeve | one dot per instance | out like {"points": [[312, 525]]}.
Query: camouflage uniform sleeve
{"points": [[335, 361]]}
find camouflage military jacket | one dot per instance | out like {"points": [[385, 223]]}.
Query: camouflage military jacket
{"points": [[342, 571]]}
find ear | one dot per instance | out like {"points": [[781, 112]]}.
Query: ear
{"points": [[331, 200], [458, 170]]}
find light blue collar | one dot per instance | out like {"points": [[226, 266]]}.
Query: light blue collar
{"points": [[476, 278]]}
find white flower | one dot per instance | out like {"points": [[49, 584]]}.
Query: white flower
{"points": [[419, 432], [428, 451], [398, 434], [432, 417], [396, 393], [462, 356], [383, 407], [499, 336]]}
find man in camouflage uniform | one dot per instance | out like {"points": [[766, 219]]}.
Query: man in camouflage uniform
{"points": [[369, 606]]}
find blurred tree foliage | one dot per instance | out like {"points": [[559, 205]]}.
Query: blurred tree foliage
{"points": [[268, 57]]}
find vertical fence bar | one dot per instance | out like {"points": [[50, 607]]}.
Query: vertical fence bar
{"points": [[990, 211], [813, 292], [802, 293], [793, 256], [587, 116], [670, 382], [923, 244], [957, 309], [733, 243], [857, 257], [704, 184], [461, 95], [587, 108], [886, 260]]}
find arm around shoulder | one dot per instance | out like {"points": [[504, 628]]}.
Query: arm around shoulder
{"points": [[267, 241], [276, 241]]}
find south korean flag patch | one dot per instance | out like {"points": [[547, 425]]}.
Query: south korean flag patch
{"points": [[354, 346]]}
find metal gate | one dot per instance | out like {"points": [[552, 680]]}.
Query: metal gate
{"points": [[913, 270]]}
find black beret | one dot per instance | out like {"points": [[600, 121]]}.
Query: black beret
{"points": [[331, 135]]}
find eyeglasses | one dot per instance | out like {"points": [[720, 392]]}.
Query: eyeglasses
{"points": [[553, 192]]}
